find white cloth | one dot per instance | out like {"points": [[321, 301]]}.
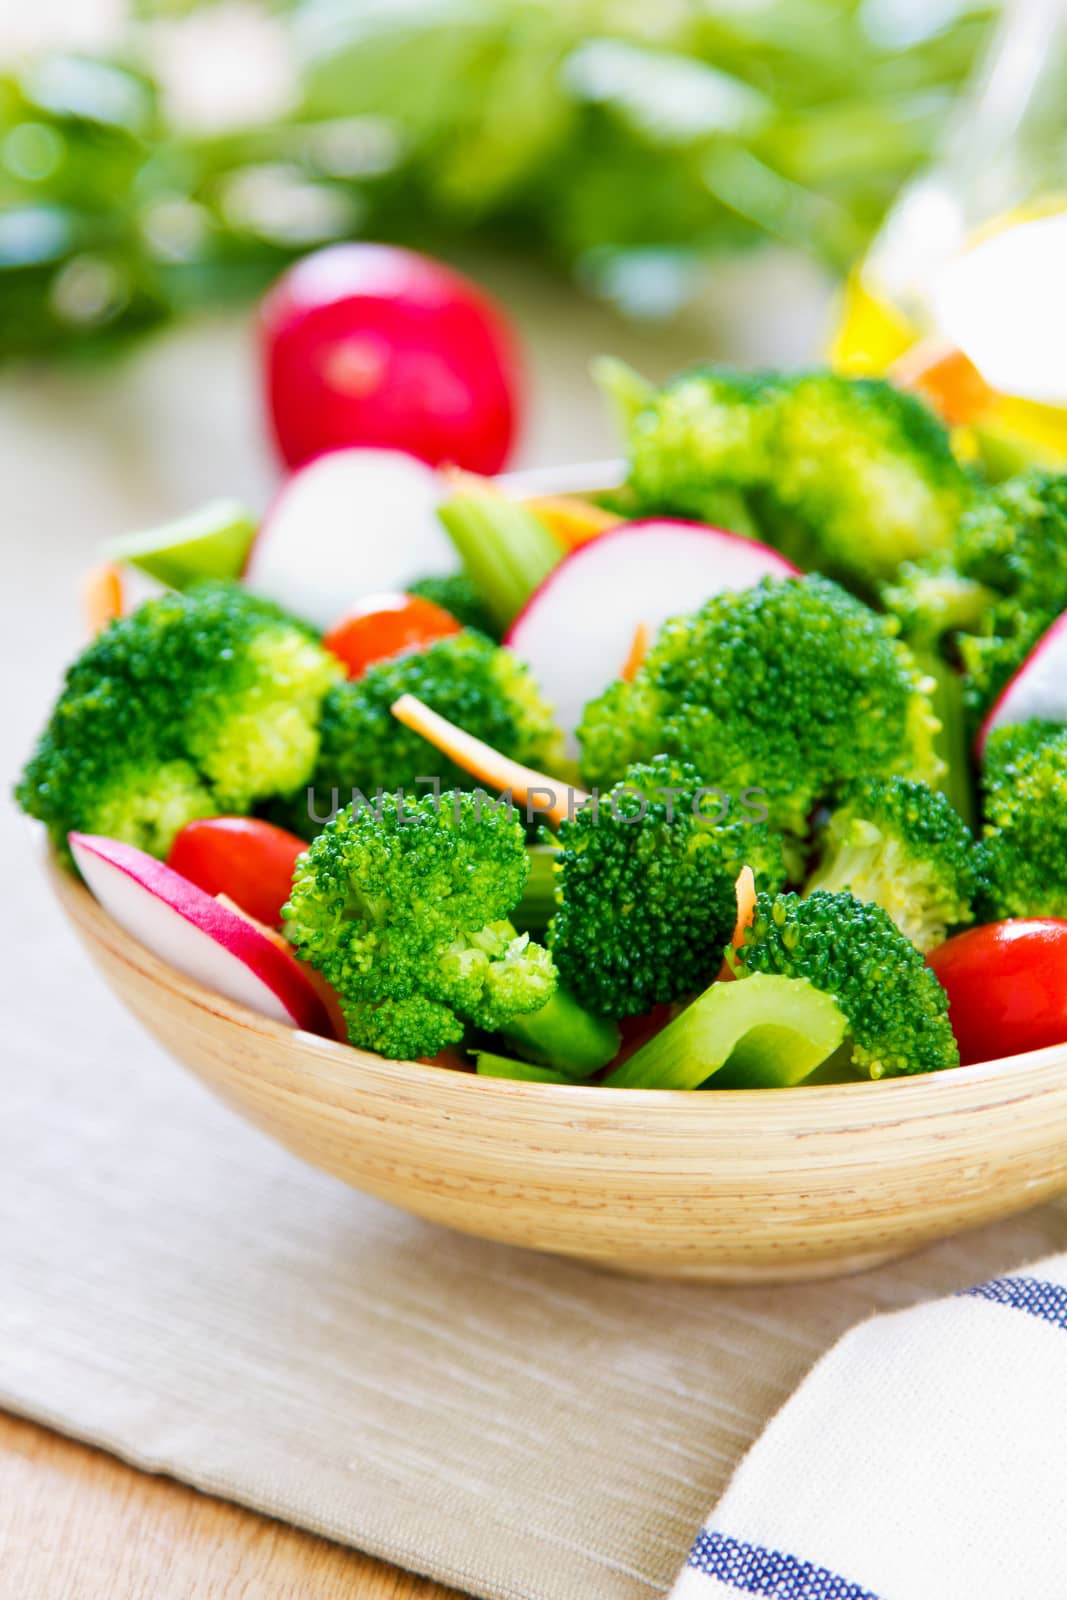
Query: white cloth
{"points": [[923, 1458]]}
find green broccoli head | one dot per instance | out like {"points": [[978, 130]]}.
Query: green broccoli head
{"points": [[897, 1011], [1023, 854], [645, 889], [706, 430], [792, 688], [904, 847], [483, 689], [992, 594], [461, 598], [404, 909], [850, 476], [196, 703], [871, 471], [1014, 543]]}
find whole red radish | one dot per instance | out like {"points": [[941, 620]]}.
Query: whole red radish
{"points": [[368, 344], [1007, 986], [248, 860]]}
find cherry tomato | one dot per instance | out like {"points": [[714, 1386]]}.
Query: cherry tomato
{"points": [[368, 344], [387, 625], [1006, 985], [248, 860]]}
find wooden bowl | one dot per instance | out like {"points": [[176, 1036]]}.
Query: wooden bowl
{"points": [[733, 1186]]}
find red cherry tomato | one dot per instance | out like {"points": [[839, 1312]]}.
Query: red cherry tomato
{"points": [[1006, 985], [366, 344], [248, 860], [387, 625]]}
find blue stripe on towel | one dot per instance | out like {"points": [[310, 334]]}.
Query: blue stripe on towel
{"points": [[755, 1570], [1034, 1295]]}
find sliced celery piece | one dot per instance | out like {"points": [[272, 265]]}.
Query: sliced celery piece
{"points": [[753, 1033], [506, 551], [494, 1066]]}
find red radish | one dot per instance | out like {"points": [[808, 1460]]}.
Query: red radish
{"points": [[1038, 689], [196, 933], [248, 860], [351, 523], [1007, 986], [387, 625], [577, 630], [369, 344]]}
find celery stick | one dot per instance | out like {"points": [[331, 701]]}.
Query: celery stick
{"points": [[754, 1033], [506, 551], [494, 1066], [952, 743]]}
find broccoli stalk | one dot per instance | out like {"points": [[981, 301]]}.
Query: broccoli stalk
{"points": [[506, 550], [563, 1035], [768, 1032]]}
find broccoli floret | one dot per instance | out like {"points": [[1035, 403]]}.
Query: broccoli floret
{"points": [[903, 846], [1023, 854], [897, 1011], [195, 704], [789, 688], [850, 476], [405, 910], [645, 889], [706, 430], [992, 595], [483, 689], [460, 597]]}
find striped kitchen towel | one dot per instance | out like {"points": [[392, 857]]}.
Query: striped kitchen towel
{"points": [[923, 1458]]}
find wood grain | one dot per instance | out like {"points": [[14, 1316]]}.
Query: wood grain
{"points": [[76, 1524], [731, 1186]]}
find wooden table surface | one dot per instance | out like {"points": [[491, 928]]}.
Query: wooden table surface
{"points": [[76, 1524]]}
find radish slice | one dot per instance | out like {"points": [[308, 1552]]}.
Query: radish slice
{"points": [[576, 631], [349, 524], [195, 933], [1038, 689]]}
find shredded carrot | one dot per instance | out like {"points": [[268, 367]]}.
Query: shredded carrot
{"points": [[102, 596], [571, 519], [745, 892], [638, 652], [946, 378], [486, 764]]}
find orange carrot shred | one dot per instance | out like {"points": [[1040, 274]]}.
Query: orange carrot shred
{"points": [[946, 379], [638, 652], [485, 763], [571, 519], [103, 598], [745, 891]]}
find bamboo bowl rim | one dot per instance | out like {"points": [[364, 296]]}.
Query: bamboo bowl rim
{"points": [[901, 1097]]}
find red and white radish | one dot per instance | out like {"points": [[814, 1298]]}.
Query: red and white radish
{"points": [[1038, 689], [349, 524], [369, 344], [195, 933], [578, 630]]}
